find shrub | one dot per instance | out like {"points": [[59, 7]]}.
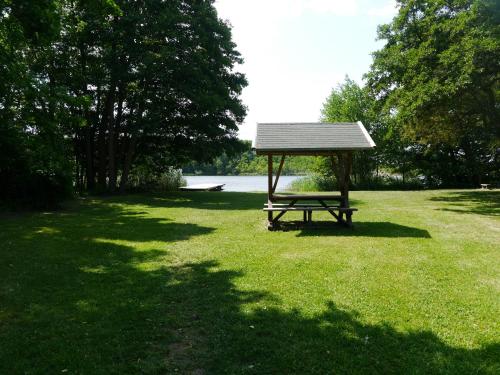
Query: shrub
{"points": [[35, 190], [313, 183], [35, 173], [324, 183], [142, 178]]}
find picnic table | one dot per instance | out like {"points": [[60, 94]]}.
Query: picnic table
{"points": [[337, 209]]}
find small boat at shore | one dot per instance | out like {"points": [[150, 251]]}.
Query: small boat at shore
{"points": [[203, 187]]}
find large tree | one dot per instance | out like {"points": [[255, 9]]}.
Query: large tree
{"points": [[439, 76], [350, 102], [161, 85], [100, 86]]}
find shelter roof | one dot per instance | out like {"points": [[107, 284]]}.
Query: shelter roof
{"points": [[311, 137]]}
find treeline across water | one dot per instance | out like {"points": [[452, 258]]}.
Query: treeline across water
{"points": [[248, 163], [316, 176]]}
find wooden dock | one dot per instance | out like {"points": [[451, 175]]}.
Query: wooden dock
{"points": [[203, 187]]}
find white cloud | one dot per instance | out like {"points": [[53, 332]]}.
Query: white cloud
{"points": [[335, 7], [264, 9], [388, 10]]}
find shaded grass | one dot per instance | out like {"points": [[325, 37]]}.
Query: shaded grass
{"points": [[477, 202], [194, 283]]}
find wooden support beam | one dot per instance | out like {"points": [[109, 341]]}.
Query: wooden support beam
{"points": [[338, 217], [348, 172], [283, 212], [296, 153], [269, 187], [278, 173]]}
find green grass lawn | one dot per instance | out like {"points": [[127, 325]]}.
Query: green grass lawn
{"points": [[193, 283]]}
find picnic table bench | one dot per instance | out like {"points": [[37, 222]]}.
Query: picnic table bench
{"points": [[337, 210]]}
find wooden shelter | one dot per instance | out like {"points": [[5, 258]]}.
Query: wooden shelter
{"points": [[337, 141]]}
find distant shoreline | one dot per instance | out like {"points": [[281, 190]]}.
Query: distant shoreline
{"points": [[238, 175]]}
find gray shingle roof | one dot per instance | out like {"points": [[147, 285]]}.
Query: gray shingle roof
{"points": [[297, 137]]}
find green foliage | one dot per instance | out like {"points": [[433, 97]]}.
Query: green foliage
{"points": [[439, 75], [318, 182], [92, 89], [147, 178], [349, 102], [315, 182], [34, 166]]}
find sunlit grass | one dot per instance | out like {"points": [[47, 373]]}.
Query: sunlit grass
{"points": [[194, 283]]}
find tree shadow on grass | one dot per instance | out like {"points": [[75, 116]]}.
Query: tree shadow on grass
{"points": [[84, 290], [197, 199], [202, 200], [215, 334], [482, 202]]}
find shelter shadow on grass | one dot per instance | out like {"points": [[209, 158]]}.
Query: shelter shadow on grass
{"points": [[480, 202], [360, 229]]}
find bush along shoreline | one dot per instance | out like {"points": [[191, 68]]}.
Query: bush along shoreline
{"points": [[317, 182]]}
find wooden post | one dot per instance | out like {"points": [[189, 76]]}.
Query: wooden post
{"points": [[270, 188], [347, 176], [342, 167], [347, 180]]}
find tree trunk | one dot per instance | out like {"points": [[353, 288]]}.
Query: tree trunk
{"points": [[129, 157], [89, 157], [88, 134], [101, 151], [105, 125], [113, 125], [130, 150]]}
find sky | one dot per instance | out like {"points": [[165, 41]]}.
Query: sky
{"points": [[297, 51]]}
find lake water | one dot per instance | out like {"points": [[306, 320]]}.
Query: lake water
{"points": [[241, 183]]}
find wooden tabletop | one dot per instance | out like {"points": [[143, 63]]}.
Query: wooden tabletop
{"points": [[311, 197]]}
